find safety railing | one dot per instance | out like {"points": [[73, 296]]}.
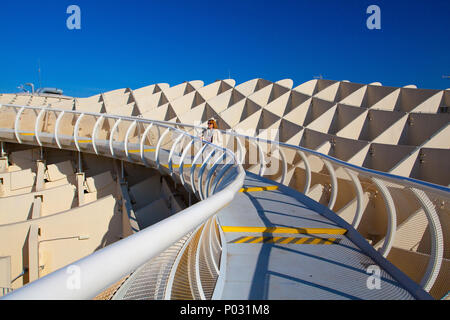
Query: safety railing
{"points": [[388, 210], [214, 175]]}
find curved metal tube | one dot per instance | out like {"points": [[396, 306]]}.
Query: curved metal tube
{"points": [[437, 240], [241, 150], [220, 175], [200, 173], [359, 198], [58, 121], [16, 124], [127, 136], [76, 129], [307, 171], [172, 150], [392, 217], [198, 279], [211, 172], [262, 166], [283, 159], [94, 133], [158, 147], [334, 185], [213, 235], [111, 136], [199, 153], [141, 146], [183, 156], [36, 126]]}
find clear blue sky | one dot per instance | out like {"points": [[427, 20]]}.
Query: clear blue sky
{"points": [[135, 43]]}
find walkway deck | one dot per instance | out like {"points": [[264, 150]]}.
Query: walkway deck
{"points": [[278, 247]]}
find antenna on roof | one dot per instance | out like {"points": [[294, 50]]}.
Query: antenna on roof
{"points": [[318, 77], [39, 72]]}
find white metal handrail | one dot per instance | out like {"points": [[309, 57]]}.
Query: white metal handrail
{"points": [[379, 179], [141, 246]]}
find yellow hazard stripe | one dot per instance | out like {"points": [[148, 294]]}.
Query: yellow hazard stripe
{"points": [[284, 230], [145, 150], [26, 134], [184, 166], [286, 240], [253, 189], [84, 141]]}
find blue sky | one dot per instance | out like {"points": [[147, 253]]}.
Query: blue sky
{"points": [[136, 43]]}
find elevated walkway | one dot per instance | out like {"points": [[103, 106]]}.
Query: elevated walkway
{"points": [[276, 243], [278, 246]]}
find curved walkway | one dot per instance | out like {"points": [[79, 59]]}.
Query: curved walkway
{"points": [[278, 246]]}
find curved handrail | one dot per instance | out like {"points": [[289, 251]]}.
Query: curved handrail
{"points": [[358, 172], [135, 249], [379, 179]]}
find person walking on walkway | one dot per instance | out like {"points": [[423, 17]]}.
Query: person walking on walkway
{"points": [[212, 134]]}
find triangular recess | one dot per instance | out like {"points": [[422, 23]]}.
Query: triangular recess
{"points": [[329, 93], [307, 88], [262, 96], [226, 85], [344, 116], [249, 125], [210, 91], [346, 89], [251, 86], [322, 84], [298, 114], [355, 98], [288, 130], [409, 99], [194, 115], [279, 105], [295, 100], [377, 122], [323, 122], [233, 114], [266, 120], [317, 108], [276, 92], [375, 94], [249, 108]]}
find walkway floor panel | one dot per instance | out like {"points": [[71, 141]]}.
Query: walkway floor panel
{"points": [[279, 248]]}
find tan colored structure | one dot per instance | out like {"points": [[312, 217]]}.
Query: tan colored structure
{"points": [[47, 207]]}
